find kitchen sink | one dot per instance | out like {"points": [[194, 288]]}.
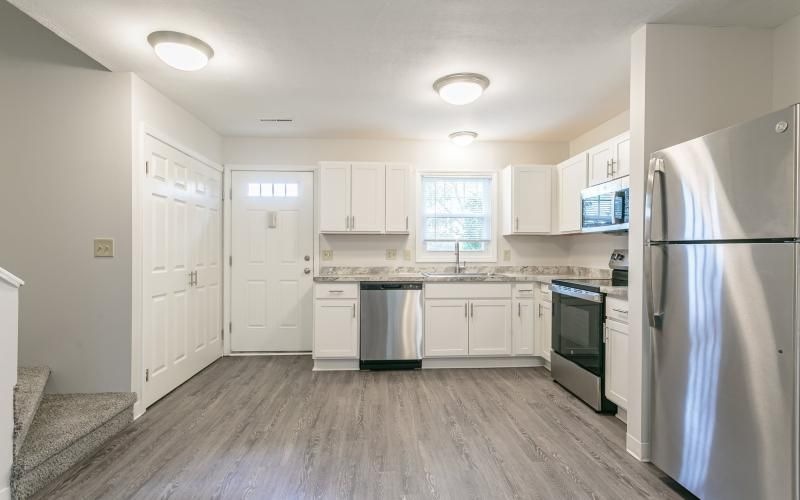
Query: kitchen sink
{"points": [[462, 275]]}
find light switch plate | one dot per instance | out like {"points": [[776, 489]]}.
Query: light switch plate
{"points": [[407, 254], [506, 255], [327, 254], [103, 247], [391, 254]]}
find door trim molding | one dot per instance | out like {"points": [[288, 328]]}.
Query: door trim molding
{"points": [[138, 175], [227, 234]]}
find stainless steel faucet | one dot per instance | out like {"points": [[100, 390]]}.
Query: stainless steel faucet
{"points": [[459, 265]]}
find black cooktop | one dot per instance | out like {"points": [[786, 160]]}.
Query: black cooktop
{"points": [[618, 278]]}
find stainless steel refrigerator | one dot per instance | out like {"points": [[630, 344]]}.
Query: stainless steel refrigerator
{"points": [[721, 289]]}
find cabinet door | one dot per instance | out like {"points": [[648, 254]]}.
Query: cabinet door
{"points": [[600, 163], [446, 327], [335, 329], [368, 198], [334, 197], [532, 199], [572, 179], [544, 328], [522, 327], [398, 198], [622, 155], [489, 327], [617, 362]]}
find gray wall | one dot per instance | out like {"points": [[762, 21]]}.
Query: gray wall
{"points": [[65, 178]]}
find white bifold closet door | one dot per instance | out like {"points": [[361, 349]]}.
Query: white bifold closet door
{"points": [[182, 282]]}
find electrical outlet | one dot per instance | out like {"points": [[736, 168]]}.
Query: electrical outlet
{"points": [[103, 247], [391, 254], [327, 254], [407, 254], [506, 255]]}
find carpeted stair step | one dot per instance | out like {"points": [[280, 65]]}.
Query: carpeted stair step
{"points": [[27, 395], [66, 429]]}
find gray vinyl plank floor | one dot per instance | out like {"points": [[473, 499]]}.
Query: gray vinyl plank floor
{"points": [[269, 427]]}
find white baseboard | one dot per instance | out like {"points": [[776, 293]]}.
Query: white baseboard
{"points": [[333, 365], [639, 450], [488, 362], [138, 410], [5, 493], [622, 414]]}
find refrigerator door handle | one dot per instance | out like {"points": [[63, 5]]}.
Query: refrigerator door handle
{"points": [[656, 167]]}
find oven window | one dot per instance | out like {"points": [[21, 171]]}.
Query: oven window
{"points": [[577, 331]]}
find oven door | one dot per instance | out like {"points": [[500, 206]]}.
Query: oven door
{"points": [[578, 327]]}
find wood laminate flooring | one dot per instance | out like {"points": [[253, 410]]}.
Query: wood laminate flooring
{"points": [[269, 427]]}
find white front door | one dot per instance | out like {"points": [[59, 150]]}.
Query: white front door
{"points": [[272, 269], [181, 323]]}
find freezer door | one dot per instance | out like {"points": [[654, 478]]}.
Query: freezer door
{"points": [[736, 183], [723, 368]]}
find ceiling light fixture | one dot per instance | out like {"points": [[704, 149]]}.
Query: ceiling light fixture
{"points": [[461, 88], [179, 50], [463, 138]]}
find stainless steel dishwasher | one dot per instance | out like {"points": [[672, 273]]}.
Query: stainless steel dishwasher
{"points": [[391, 326]]}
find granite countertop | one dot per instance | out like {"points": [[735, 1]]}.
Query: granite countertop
{"points": [[507, 274]]}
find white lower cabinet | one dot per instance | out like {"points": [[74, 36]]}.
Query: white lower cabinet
{"points": [[446, 327], [523, 327], [616, 338], [490, 327], [336, 328], [544, 325]]}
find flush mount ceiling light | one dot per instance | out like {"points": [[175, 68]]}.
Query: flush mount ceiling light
{"points": [[179, 50], [463, 138], [461, 88]]}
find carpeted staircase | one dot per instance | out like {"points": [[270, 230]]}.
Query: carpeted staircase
{"points": [[53, 432]]}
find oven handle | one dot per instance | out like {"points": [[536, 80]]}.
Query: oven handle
{"points": [[577, 293]]}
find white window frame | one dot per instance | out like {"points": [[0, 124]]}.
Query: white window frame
{"points": [[490, 255]]}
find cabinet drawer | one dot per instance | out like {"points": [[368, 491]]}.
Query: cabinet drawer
{"points": [[524, 290], [468, 291], [617, 309], [336, 290]]}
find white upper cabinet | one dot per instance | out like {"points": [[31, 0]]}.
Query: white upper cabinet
{"points": [[334, 197], [398, 198], [364, 197], [527, 199], [572, 178], [610, 160], [368, 198]]}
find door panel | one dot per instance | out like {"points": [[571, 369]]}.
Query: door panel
{"points": [[335, 329], [723, 368], [273, 249], [446, 327], [622, 155], [599, 163], [617, 363], [737, 183], [572, 180], [522, 327], [533, 190], [181, 234], [490, 327], [334, 197], [367, 200], [398, 198]]}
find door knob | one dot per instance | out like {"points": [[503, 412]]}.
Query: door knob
{"points": [[307, 258], [307, 270]]}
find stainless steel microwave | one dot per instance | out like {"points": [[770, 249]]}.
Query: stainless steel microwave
{"points": [[606, 207]]}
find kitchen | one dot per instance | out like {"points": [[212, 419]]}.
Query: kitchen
{"points": [[371, 250]]}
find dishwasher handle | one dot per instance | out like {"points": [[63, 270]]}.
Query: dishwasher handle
{"points": [[391, 286]]}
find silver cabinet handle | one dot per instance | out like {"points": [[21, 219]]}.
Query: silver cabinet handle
{"points": [[519, 309], [656, 167], [347, 222], [613, 166], [608, 168], [472, 310], [540, 310], [352, 222], [465, 309], [354, 310], [621, 311], [516, 224], [406, 222], [335, 291], [521, 290]]}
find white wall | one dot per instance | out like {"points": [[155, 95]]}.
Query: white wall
{"points": [[606, 130], [686, 81], [65, 136], [424, 155], [786, 64]]}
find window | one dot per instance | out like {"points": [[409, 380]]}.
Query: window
{"points": [[273, 190], [456, 208]]}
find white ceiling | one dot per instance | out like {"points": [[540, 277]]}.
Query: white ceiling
{"points": [[364, 68]]}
